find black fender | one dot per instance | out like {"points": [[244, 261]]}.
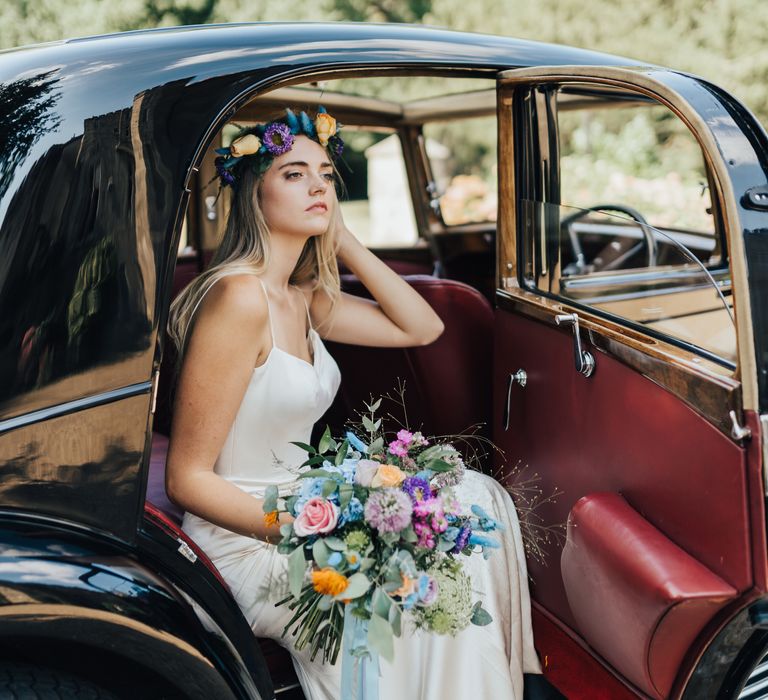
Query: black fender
{"points": [[102, 610], [731, 656]]}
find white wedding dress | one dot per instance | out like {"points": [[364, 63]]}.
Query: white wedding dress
{"points": [[284, 399]]}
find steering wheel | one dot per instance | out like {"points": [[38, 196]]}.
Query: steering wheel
{"points": [[612, 256]]}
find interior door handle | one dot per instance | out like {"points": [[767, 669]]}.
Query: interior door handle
{"points": [[521, 377], [585, 362]]}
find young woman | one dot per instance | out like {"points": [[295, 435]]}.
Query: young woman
{"points": [[255, 376]]}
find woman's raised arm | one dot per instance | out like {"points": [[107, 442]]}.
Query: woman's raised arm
{"points": [[399, 316], [229, 336]]}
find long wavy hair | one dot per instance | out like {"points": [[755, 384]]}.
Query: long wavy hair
{"points": [[245, 249]]}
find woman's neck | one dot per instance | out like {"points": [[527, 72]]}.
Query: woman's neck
{"points": [[284, 254]]}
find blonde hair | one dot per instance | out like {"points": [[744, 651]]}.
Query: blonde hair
{"points": [[245, 249]]}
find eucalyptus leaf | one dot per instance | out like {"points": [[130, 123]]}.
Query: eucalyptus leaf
{"points": [[316, 474], [395, 618], [357, 585], [329, 487], [305, 447], [325, 440], [270, 499], [376, 445], [335, 543], [342, 453], [440, 465], [375, 406], [320, 553], [381, 602], [377, 424], [480, 616], [297, 566], [380, 637], [409, 534], [368, 424], [317, 459], [286, 529], [345, 494], [366, 563], [428, 454], [445, 545]]}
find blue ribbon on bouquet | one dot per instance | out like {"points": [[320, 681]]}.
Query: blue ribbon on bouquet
{"points": [[359, 673]]}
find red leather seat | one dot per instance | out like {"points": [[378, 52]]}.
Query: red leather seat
{"points": [[447, 383]]}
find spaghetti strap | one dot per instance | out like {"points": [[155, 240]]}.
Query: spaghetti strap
{"points": [[269, 312], [306, 306]]}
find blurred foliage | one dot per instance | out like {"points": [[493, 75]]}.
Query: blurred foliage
{"points": [[723, 40]]}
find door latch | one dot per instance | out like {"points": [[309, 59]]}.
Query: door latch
{"points": [[521, 377], [585, 362]]}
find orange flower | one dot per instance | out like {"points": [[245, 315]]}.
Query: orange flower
{"points": [[271, 518], [408, 587], [328, 581]]}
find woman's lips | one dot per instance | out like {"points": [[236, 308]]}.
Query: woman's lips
{"points": [[319, 206]]}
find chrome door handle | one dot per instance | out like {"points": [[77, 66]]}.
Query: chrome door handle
{"points": [[585, 362], [521, 377]]}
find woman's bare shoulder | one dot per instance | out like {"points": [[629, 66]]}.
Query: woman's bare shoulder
{"points": [[236, 298]]}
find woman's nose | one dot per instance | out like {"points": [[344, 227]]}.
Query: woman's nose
{"points": [[318, 183]]}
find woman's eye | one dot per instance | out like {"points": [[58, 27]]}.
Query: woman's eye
{"points": [[330, 177], [293, 175]]}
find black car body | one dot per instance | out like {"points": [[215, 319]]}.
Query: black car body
{"points": [[101, 140]]}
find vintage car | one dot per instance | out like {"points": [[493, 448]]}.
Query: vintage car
{"points": [[593, 232]]}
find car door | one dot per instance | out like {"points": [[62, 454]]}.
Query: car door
{"points": [[625, 373]]}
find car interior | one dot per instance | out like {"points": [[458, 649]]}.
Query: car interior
{"points": [[422, 196]]}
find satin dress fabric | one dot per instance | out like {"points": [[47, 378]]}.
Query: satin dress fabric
{"points": [[286, 396]]}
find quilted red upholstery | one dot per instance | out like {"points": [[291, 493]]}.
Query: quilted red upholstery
{"points": [[622, 574], [447, 383]]}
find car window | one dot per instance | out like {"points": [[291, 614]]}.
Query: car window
{"points": [[375, 199], [462, 157], [635, 235]]}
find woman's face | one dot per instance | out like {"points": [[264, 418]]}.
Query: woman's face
{"points": [[297, 193]]}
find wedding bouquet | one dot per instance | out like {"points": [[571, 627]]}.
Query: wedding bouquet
{"points": [[378, 532]]}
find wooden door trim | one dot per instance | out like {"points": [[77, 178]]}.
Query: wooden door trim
{"points": [[708, 388]]}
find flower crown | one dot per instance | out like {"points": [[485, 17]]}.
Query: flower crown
{"points": [[258, 145]]}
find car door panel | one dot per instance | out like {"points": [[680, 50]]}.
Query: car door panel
{"points": [[618, 432]]}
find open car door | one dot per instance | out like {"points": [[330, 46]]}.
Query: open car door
{"points": [[625, 375]]}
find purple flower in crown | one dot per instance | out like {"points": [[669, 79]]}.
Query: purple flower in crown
{"points": [[222, 172], [278, 138]]}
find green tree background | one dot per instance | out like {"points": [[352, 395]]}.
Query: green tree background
{"points": [[725, 41]]}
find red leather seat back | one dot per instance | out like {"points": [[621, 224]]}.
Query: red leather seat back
{"points": [[447, 383]]}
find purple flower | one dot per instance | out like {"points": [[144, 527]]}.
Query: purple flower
{"points": [[425, 534], [417, 488], [397, 448], [388, 510], [223, 173], [278, 138], [461, 539], [431, 512], [405, 436], [427, 589]]}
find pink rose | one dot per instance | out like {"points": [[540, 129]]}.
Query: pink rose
{"points": [[365, 471], [318, 516]]}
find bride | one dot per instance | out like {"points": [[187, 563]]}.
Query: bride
{"points": [[255, 376]]}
